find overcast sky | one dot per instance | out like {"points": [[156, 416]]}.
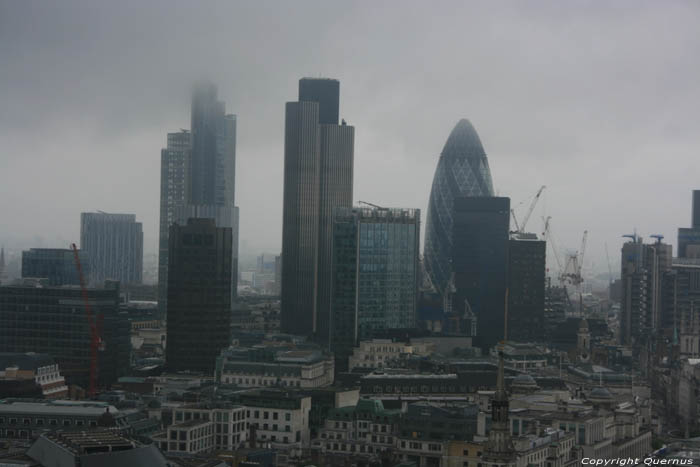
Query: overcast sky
{"points": [[600, 101]]}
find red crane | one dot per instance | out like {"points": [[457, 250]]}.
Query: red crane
{"points": [[94, 334]]}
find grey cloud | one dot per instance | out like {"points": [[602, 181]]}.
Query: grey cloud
{"points": [[599, 101]]}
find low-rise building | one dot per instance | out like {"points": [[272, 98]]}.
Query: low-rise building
{"points": [[363, 430], [40, 368], [377, 353], [27, 419], [93, 449], [280, 420], [260, 367]]}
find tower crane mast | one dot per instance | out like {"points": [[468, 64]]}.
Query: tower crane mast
{"points": [[94, 335]]}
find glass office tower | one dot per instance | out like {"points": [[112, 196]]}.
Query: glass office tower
{"points": [[463, 171], [375, 273]]}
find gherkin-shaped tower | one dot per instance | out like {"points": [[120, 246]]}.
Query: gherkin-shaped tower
{"points": [[463, 170]]}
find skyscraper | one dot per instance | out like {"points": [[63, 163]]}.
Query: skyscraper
{"points": [[375, 274], [199, 294], [198, 171], [212, 165], [174, 164], [55, 264], [324, 91], [114, 244], [462, 171], [526, 286], [480, 263], [689, 238], [642, 269], [318, 176]]}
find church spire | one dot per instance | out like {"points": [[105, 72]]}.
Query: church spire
{"points": [[499, 447]]}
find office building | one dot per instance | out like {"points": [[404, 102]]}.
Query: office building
{"points": [[681, 305], [689, 238], [253, 368], [480, 263], [462, 171], [52, 320], [526, 286], [318, 176], [174, 164], [375, 274], [198, 173], [114, 245], [642, 270], [56, 265], [199, 295]]}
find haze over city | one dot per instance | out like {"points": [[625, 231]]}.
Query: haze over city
{"points": [[597, 101]]}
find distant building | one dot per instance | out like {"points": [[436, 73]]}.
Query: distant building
{"points": [[56, 265], [278, 274], [3, 273], [318, 177], [375, 273], [643, 266], [52, 320], [526, 287], [174, 163], [114, 245], [480, 263], [463, 170], [689, 238], [199, 295], [39, 368]]}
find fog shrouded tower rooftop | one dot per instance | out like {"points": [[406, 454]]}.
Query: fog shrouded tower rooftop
{"points": [[462, 171]]}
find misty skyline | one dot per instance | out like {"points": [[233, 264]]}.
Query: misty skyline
{"points": [[598, 102]]}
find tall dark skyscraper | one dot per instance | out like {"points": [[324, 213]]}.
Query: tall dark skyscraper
{"points": [[199, 294], [318, 176], [114, 244], [462, 171], [324, 91], [480, 263]]}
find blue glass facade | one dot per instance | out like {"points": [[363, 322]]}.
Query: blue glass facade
{"points": [[463, 171], [375, 272]]}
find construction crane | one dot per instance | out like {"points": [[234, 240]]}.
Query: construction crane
{"points": [[658, 237], [372, 205], [547, 235], [574, 263], [521, 227], [94, 334]]}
